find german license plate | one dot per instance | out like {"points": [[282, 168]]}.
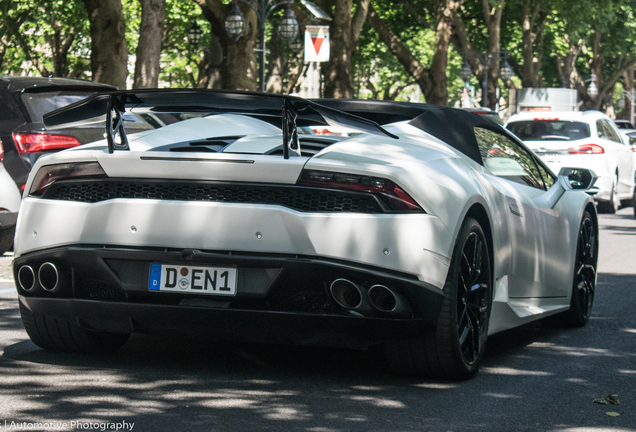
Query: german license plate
{"points": [[193, 280]]}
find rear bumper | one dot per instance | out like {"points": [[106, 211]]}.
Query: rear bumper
{"points": [[273, 327], [279, 298]]}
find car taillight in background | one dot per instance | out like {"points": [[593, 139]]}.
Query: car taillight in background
{"points": [[1, 152], [394, 196], [39, 142], [587, 149]]}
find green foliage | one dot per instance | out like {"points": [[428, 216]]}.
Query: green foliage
{"points": [[178, 57], [27, 28]]}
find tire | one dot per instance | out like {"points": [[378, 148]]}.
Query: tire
{"points": [[455, 348], [634, 202], [584, 278], [611, 205], [6, 239], [60, 335]]}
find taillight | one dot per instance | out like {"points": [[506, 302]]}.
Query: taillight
{"points": [[1, 152], [395, 198], [49, 174], [586, 149], [39, 142]]}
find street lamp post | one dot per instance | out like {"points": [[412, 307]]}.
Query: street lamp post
{"points": [[484, 58], [194, 34], [194, 37], [288, 27]]}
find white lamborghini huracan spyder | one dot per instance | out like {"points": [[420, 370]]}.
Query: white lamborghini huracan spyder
{"points": [[425, 234]]}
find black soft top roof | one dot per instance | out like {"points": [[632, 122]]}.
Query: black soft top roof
{"points": [[453, 126]]}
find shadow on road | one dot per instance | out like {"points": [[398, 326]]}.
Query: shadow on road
{"points": [[166, 382]]}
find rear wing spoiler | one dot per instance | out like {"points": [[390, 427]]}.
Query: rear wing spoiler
{"points": [[292, 112]]}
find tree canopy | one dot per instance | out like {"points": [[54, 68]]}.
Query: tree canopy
{"points": [[392, 50]]}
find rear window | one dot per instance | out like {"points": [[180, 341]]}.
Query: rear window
{"points": [[38, 104], [537, 130]]}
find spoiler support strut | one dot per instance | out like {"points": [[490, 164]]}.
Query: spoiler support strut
{"points": [[115, 125]]}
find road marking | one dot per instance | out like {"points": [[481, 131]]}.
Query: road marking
{"points": [[7, 290]]}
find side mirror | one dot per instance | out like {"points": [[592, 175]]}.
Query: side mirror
{"points": [[577, 178], [568, 179]]}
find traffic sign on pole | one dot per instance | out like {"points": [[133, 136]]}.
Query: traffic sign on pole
{"points": [[316, 43]]}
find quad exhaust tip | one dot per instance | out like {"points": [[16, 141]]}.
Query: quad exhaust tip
{"points": [[26, 278], [351, 296], [389, 302], [48, 276], [377, 300]]}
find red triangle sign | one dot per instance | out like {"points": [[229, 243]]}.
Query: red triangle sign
{"points": [[317, 41]]}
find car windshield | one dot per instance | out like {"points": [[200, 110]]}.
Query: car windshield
{"points": [[624, 125], [537, 130], [38, 104]]}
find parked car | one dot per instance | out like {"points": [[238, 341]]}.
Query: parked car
{"points": [[581, 139], [625, 125], [425, 235], [9, 205], [23, 101]]}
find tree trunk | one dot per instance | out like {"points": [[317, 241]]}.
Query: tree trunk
{"points": [[147, 67], [59, 49], [109, 52], [343, 35], [274, 75], [596, 64], [532, 41], [238, 69], [296, 72], [447, 9], [493, 20], [566, 64], [210, 66], [628, 85]]}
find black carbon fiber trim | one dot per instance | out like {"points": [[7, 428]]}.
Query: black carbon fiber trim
{"points": [[299, 198]]}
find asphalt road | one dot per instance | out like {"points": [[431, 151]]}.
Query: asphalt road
{"points": [[535, 378]]}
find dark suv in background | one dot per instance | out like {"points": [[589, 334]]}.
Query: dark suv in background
{"points": [[23, 101]]}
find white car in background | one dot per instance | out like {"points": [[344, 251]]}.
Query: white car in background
{"points": [[9, 204], [587, 139]]}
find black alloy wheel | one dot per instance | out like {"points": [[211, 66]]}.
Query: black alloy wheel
{"points": [[584, 281], [473, 298], [455, 348]]}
